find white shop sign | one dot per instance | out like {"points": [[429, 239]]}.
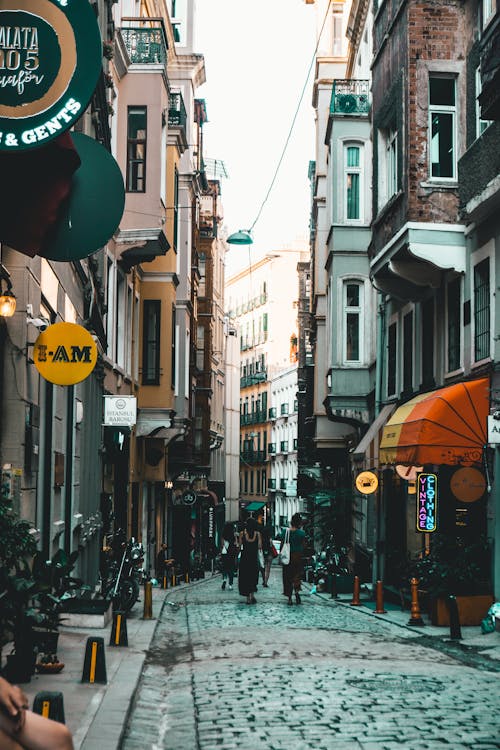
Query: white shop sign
{"points": [[120, 411], [493, 429]]}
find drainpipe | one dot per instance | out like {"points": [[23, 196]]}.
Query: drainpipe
{"points": [[380, 352]]}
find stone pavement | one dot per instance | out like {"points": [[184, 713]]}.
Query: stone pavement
{"points": [[204, 652]]}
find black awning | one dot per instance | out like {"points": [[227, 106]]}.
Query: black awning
{"points": [[144, 252]]}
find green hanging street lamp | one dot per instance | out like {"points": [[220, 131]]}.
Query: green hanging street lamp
{"points": [[241, 237]]}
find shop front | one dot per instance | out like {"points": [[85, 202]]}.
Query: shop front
{"points": [[435, 476]]}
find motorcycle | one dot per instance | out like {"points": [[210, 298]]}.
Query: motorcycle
{"points": [[123, 580]]}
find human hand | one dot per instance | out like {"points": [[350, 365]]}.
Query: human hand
{"points": [[13, 703]]}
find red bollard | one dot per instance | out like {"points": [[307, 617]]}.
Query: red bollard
{"points": [[416, 618], [380, 599], [355, 593]]}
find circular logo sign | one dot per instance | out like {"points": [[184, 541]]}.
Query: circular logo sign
{"points": [[50, 61], [189, 497], [408, 472], [366, 482], [65, 354], [468, 484]]}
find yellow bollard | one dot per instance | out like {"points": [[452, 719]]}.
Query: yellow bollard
{"points": [[415, 618], [380, 599], [355, 593], [148, 601], [165, 582], [187, 577], [173, 579]]}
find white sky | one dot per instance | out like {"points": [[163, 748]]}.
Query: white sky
{"points": [[257, 56]]}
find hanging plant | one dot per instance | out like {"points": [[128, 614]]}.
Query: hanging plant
{"points": [[108, 49]]}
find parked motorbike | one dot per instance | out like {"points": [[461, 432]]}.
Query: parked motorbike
{"points": [[124, 576]]}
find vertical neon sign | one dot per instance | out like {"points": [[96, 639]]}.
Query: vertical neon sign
{"points": [[427, 496]]}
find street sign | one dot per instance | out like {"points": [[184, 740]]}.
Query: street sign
{"points": [[493, 429], [189, 497]]}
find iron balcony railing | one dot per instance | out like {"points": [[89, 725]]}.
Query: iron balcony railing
{"points": [[271, 448], [350, 97], [177, 111], [254, 417], [258, 377], [253, 457], [145, 41], [272, 412], [271, 484]]}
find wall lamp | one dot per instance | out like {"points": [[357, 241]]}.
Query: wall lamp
{"points": [[7, 297]]}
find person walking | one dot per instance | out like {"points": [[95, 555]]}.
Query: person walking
{"points": [[292, 573], [250, 542], [229, 553], [266, 531]]}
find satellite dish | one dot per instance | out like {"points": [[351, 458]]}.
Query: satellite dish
{"points": [[408, 472]]}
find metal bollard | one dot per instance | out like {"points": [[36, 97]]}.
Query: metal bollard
{"points": [[415, 618], [173, 579], [186, 578], [355, 593], [379, 610], [455, 631], [165, 582], [148, 601]]}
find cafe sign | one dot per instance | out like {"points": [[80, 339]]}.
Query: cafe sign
{"points": [[427, 497], [65, 354], [50, 61]]}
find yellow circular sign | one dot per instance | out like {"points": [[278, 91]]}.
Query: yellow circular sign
{"points": [[65, 354], [366, 482]]}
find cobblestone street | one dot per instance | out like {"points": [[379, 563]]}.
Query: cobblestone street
{"points": [[321, 676]]}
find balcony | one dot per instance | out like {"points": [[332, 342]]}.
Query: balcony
{"points": [[177, 116], [271, 484], [247, 380], [145, 41], [272, 413], [284, 410], [350, 97], [253, 457], [284, 446], [255, 417], [283, 483], [271, 448]]}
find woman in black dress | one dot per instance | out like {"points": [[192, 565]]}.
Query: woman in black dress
{"points": [[250, 542]]}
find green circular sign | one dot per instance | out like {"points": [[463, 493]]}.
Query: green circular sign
{"points": [[94, 208], [50, 61]]}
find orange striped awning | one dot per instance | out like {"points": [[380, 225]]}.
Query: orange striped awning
{"points": [[447, 426]]}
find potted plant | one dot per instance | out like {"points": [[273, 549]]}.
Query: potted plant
{"points": [[459, 568], [17, 590]]}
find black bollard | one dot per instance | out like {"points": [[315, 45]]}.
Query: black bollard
{"points": [[455, 632], [50, 705]]}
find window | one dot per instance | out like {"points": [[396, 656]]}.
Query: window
{"points": [[173, 343], [337, 35], [442, 126], [481, 125], [111, 307], [352, 171], [353, 300], [136, 149], [263, 487], [453, 323], [121, 319], [408, 352], [391, 359], [176, 208], [151, 342], [391, 163], [486, 11], [427, 333], [482, 310]]}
